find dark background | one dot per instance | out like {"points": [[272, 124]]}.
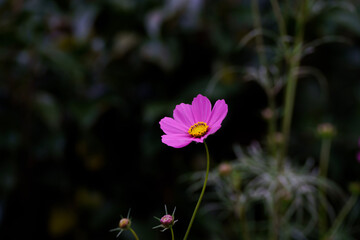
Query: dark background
{"points": [[84, 85]]}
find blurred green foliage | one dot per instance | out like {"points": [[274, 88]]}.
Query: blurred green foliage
{"points": [[84, 84]]}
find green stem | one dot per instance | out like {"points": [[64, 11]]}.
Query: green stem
{"points": [[288, 111], [324, 157], [134, 233], [202, 191], [341, 217], [279, 18], [272, 123], [259, 38], [323, 169], [274, 220], [281, 24], [292, 81], [260, 48], [244, 224], [172, 233]]}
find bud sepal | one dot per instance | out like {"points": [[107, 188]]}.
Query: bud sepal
{"points": [[124, 224]]}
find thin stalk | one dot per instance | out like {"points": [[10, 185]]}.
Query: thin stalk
{"points": [[274, 220], [288, 111], [244, 224], [134, 233], [323, 169], [271, 123], [259, 38], [202, 191], [269, 84], [341, 217], [260, 48], [279, 18], [292, 81], [172, 233], [281, 24], [324, 157]]}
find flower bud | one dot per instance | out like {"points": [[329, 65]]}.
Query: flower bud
{"points": [[225, 169], [326, 130], [167, 221], [124, 223], [279, 138], [267, 114]]}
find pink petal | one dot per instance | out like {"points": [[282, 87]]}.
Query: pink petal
{"points": [[199, 140], [213, 129], [201, 108], [170, 126], [176, 140], [218, 113], [183, 114]]}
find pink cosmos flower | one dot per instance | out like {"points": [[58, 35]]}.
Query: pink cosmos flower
{"points": [[193, 122]]}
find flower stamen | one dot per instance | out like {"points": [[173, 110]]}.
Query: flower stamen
{"points": [[198, 129]]}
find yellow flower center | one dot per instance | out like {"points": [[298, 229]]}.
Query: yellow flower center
{"points": [[198, 129]]}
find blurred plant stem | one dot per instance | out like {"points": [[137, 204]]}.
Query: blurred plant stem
{"points": [[244, 223], [274, 219], [273, 226], [324, 157], [202, 191], [260, 48], [279, 19], [259, 38], [291, 81], [323, 169], [341, 217], [240, 209], [134, 233], [293, 58], [272, 145]]}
